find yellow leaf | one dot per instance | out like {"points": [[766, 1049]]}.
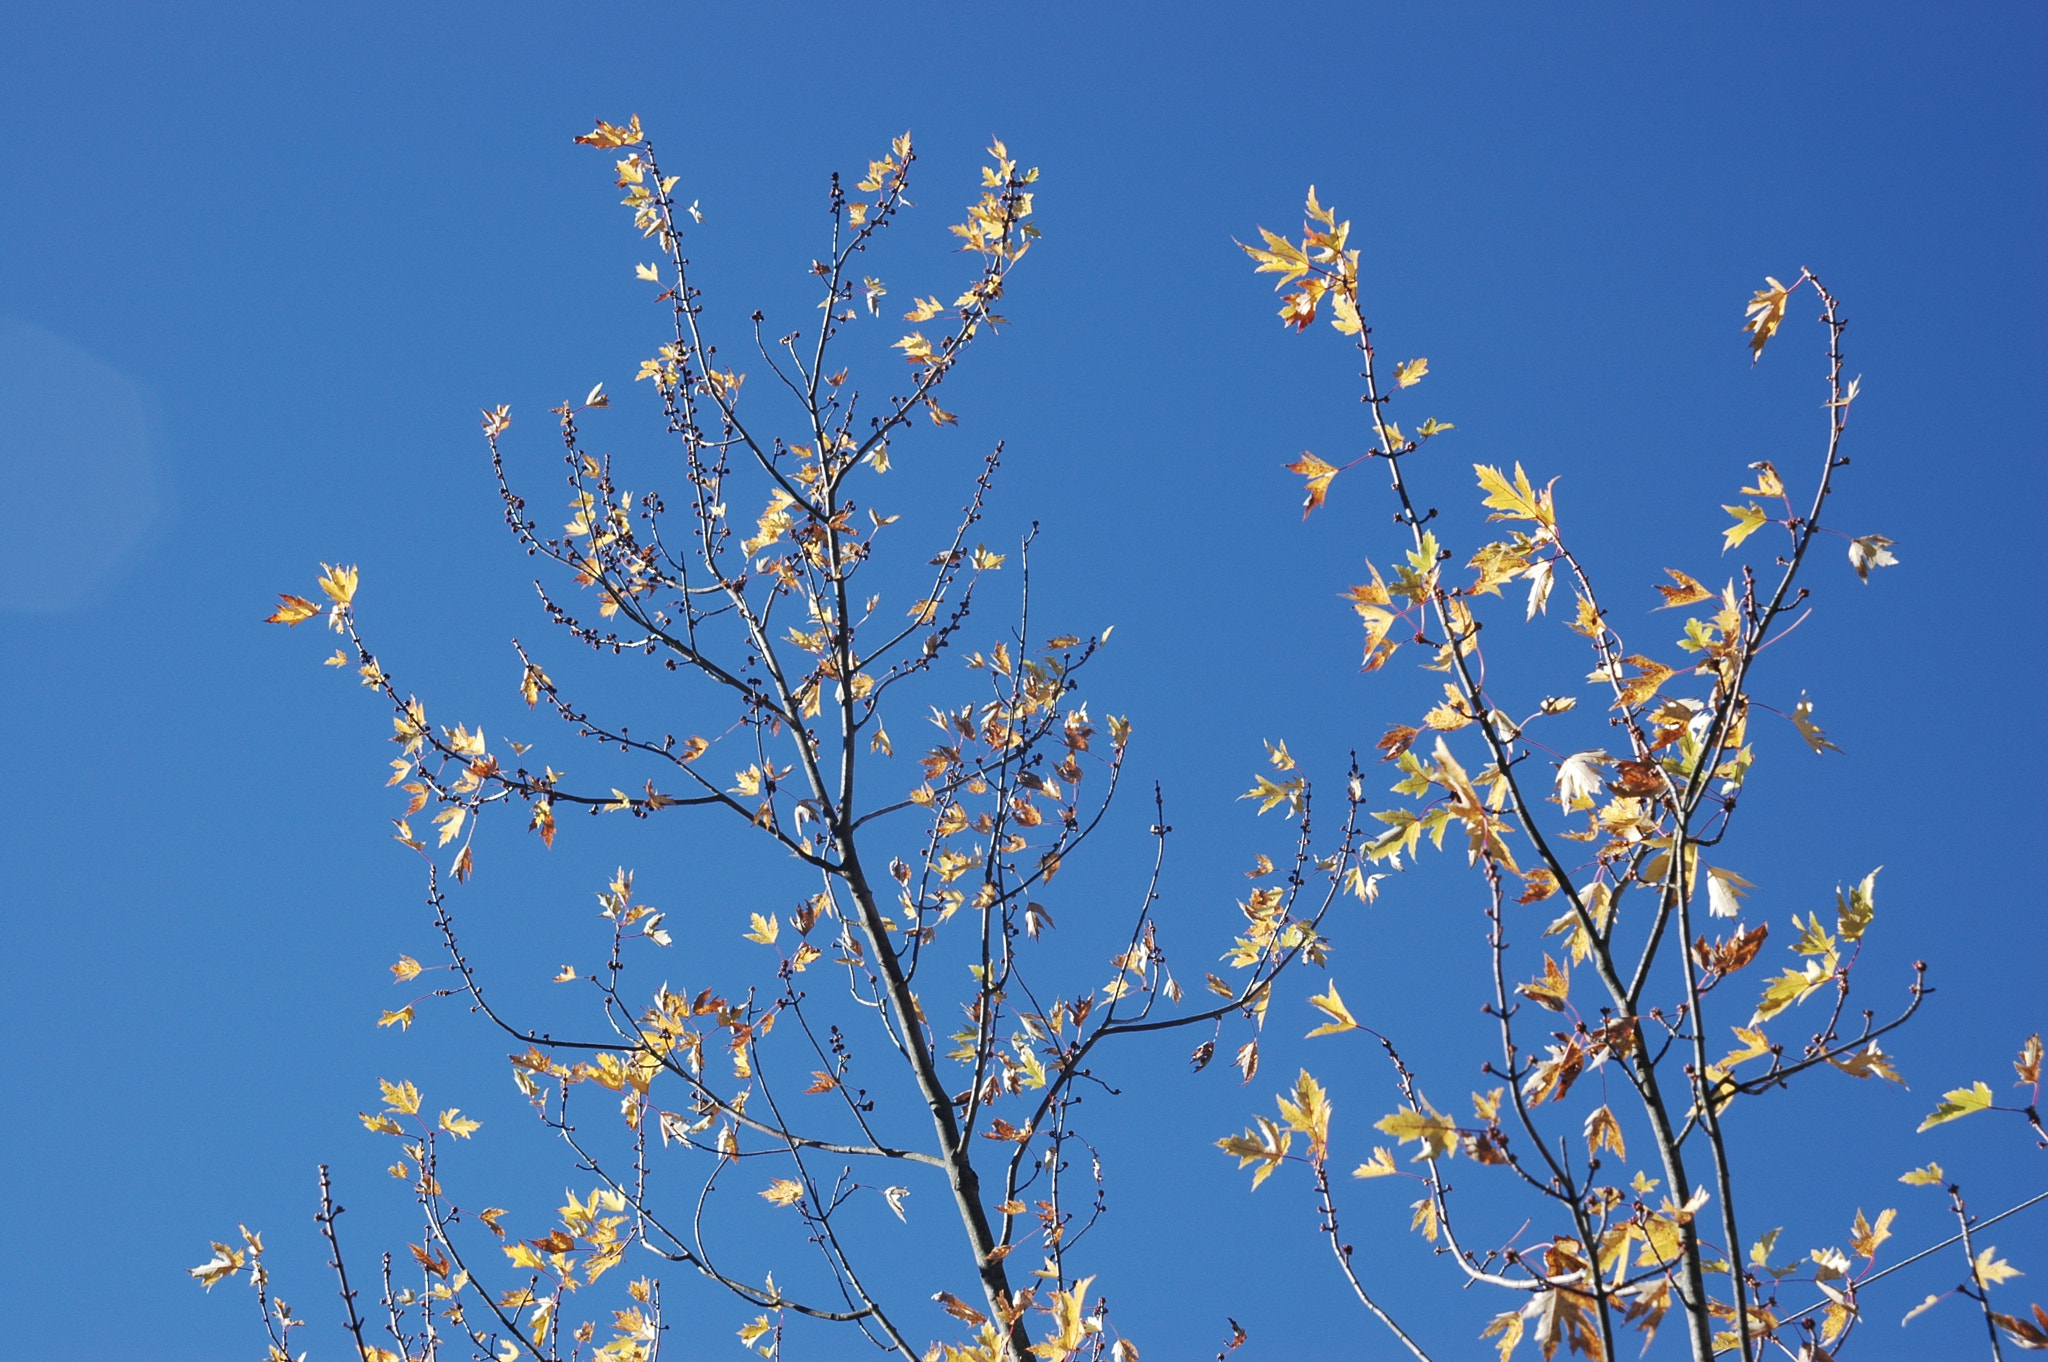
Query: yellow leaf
{"points": [[1509, 1327], [1959, 1102], [458, 1125], [1409, 374], [451, 824], [1930, 1176], [380, 1124], [1992, 1270], [1768, 483], [1603, 1131], [766, 929], [648, 272], [1309, 1113], [402, 1018], [1865, 1237], [406, 969], [292, 610], [1519, 501], [1553, 990], [1380, 1165], [607, 136], [783, 1192], [339, 583], [225, 1263], [1319, 475], [1333, 1006], [403, 1098], [1438, 1134], [1687, 592], [1748, 520], [1765, 312]]}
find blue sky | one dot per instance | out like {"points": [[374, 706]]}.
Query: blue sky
{"points": [[264, 263]]}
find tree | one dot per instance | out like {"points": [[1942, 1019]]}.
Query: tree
{"points": [[1628, 902], [837, 1103]]}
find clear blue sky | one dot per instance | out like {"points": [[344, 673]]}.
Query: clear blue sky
{"points": [[260, 265]]}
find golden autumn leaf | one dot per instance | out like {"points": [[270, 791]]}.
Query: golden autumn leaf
{"points": [[458, 1125], [292, 610], [1515, 501], [403, 1098], [1333, 1007], [1928, 1176], [1992, 1270], [1765, 313], [783, 1192], [339, 583], [606, 136], [1438, 1134], [1687, 592], [225, 1263], [1553, 990], [1380, 1165], [1603, 1131], [1411, 373], [1319, 474], [1748, 520], [1309, 1112]]}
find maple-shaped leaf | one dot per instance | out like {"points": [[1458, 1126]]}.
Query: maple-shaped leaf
{"points": [[765, 929], [458, 1125], [1748, 520], [1957, 1103], [1332, 1006], [1687, 592], [1553, 990], [1992, 1270], [1438, 1134], [1765, 313], [225, 1263], [1579, 782], [1869, 1062], [1319, 475], [1266, 1145], [1380, 1165], [1930, 1176], [1865, 1237], [402, 1018], [1308, 1111], [1411, 373], [1603, 1131], [403, 1098], [1768, 483], [1632, 691], [1509, 1327], [1854, 911], [291, 610], [1516, 501]]}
